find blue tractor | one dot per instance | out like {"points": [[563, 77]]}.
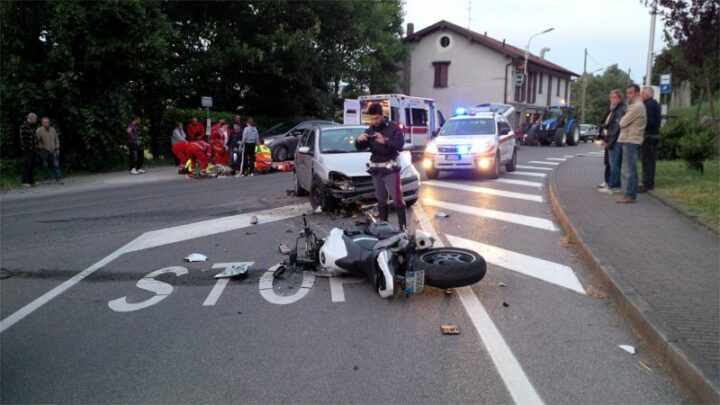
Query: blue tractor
{"points": [[558, 125]]}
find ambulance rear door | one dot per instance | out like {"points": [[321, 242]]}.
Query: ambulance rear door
{"points": [[351, 112]]}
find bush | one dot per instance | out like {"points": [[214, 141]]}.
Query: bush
{"points": [[696, 148], [670, 136]]}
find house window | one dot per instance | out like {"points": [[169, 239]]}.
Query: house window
{"points": [[441, 73], [445, 41]]}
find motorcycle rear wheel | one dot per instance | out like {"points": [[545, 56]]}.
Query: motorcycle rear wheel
{"points": [[449, 267]]}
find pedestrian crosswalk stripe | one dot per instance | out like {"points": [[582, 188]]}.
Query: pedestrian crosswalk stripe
{"points": [[519, 182], [533, 167], [539, 162], [568, 156], [557, 159], [534, 222], [484, 190], [597, 153], [551, 272], [529, 174]]}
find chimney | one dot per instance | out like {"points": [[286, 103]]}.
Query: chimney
{"points": [[503, 42], [410, 29], [485, 33]]}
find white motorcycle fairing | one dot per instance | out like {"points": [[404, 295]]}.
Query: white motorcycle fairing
{"points": [[332, 250]]}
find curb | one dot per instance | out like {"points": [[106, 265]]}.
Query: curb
{"points": [[678, 358]]}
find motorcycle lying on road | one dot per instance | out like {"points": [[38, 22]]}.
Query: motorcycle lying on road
{"points": [[392, 260]]}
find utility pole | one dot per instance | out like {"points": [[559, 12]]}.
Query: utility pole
{"points": [[582, 110], [648, 72]]}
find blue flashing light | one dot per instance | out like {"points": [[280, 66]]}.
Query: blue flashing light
{"points": [[460, 111], [463, 149]]}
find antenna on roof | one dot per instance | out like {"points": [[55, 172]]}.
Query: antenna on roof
{"points": [[469, 13]]}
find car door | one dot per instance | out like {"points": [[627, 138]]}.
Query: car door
{"points": [[302, 163], [293, 138], [309, 157], [506, 139]]}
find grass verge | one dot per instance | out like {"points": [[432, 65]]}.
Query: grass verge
{"points": [[695, 193]]}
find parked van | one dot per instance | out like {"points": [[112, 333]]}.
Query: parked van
{"points": [[417, 117]]}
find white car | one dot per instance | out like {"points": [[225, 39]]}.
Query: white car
{"points": [[480, 142], [332, 170]]}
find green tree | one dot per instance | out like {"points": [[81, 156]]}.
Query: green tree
{"points": [[598, 91]]}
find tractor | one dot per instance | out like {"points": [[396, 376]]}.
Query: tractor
{"points": [[559, 124]]}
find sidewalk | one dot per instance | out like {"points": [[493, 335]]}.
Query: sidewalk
{"points": [[661, 270]]}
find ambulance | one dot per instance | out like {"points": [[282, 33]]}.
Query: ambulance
{"points": [[418, 118]]}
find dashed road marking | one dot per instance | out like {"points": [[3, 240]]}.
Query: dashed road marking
{"points": [[519, 182], [545, 270], [568, 156], [484, 190], [534, 222], [540, 162], [556, 159], [529, 174]]}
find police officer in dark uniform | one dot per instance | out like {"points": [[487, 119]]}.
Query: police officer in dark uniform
{"points": [[385, 141]]}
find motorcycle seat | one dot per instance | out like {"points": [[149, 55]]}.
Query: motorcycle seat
{"points": [[383, 230]]}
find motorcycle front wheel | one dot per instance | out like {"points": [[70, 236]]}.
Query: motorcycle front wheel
{"points": [[448, 267]]}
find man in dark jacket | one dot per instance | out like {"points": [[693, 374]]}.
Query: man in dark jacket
{"points": [[385, 141], [29, 147], [610, 131], [648, 150]]}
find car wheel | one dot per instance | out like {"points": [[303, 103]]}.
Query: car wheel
{"points": [[495, 173], [574, 137], [319, 197], [511, 166], [280, 154], [560, 137], [299, 191]]}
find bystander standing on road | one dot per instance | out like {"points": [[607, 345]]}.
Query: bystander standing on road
{"points": [[648, 151], [632, 129], [135, 151], [613, 151], [249, 139], [49, 150], [195, 130], [178, 136], [28, 145], [234, 145]]}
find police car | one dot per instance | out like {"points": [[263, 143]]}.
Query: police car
{"points": [[477, 142]]}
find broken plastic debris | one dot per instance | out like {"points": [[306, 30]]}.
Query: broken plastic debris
{"points": [[442, 215], [628, 348], [253, 220], [450, 329], [502, 284], [505, 304], [318, 210], [234, 271], [284, 249], [196, 257]]}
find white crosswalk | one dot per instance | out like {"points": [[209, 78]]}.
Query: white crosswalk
{"points": [[484, 190], [518, 182], [533, 167], [534, 222], [557, 159], [528, 174], [540, 162]]}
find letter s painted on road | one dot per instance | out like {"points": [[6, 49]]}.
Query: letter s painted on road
{"points": [[148, 283]]}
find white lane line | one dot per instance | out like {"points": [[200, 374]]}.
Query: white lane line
{"points": [[551, 272], [519, 182], [556, 159], [539, 162], [337, 292], [532, 168], [159, 238], [508, 367], [534, 222], [568, 156], [528, 174], [597, 153], [483, 190]]}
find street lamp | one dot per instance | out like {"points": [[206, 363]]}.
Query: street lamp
{"points": [[527, 51]]}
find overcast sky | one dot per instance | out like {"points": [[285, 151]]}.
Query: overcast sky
{"points": [[613, 31]]}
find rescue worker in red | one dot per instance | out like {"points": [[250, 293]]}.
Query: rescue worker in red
{"points": [[199, 151], [195, 130], [219, 140], [385, 141]]}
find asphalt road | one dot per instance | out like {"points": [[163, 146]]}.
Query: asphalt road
{"points": [[529, 330]]}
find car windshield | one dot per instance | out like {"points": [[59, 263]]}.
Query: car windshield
{"points": [[280, 128], [340, 140], [473, 126]]}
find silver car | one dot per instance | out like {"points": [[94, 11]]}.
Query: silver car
{"points": [[332, 171]]}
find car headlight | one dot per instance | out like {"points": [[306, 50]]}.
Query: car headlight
{"points": [[342, 182], [482, 147], [269, 142], [431, 148]]}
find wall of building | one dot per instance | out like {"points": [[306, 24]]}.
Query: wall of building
{"points": [[476, 73]]}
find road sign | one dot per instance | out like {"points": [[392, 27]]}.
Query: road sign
{"points": [[206, 102], [519, 79], [665, 83]]}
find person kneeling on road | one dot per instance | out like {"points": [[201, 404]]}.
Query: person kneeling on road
{"points": [[385, 141]]}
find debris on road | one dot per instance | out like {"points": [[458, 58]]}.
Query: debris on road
{"points": [[628, 348], [253, 220], [442, 215], [449, 291], [289, 231], [196, 257], [284, 249], [234, 271], [250, 233], [505, 304], [318, 210], [595, 292], [290, 193], [449, 329], [501, 284], [564, 241]]}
